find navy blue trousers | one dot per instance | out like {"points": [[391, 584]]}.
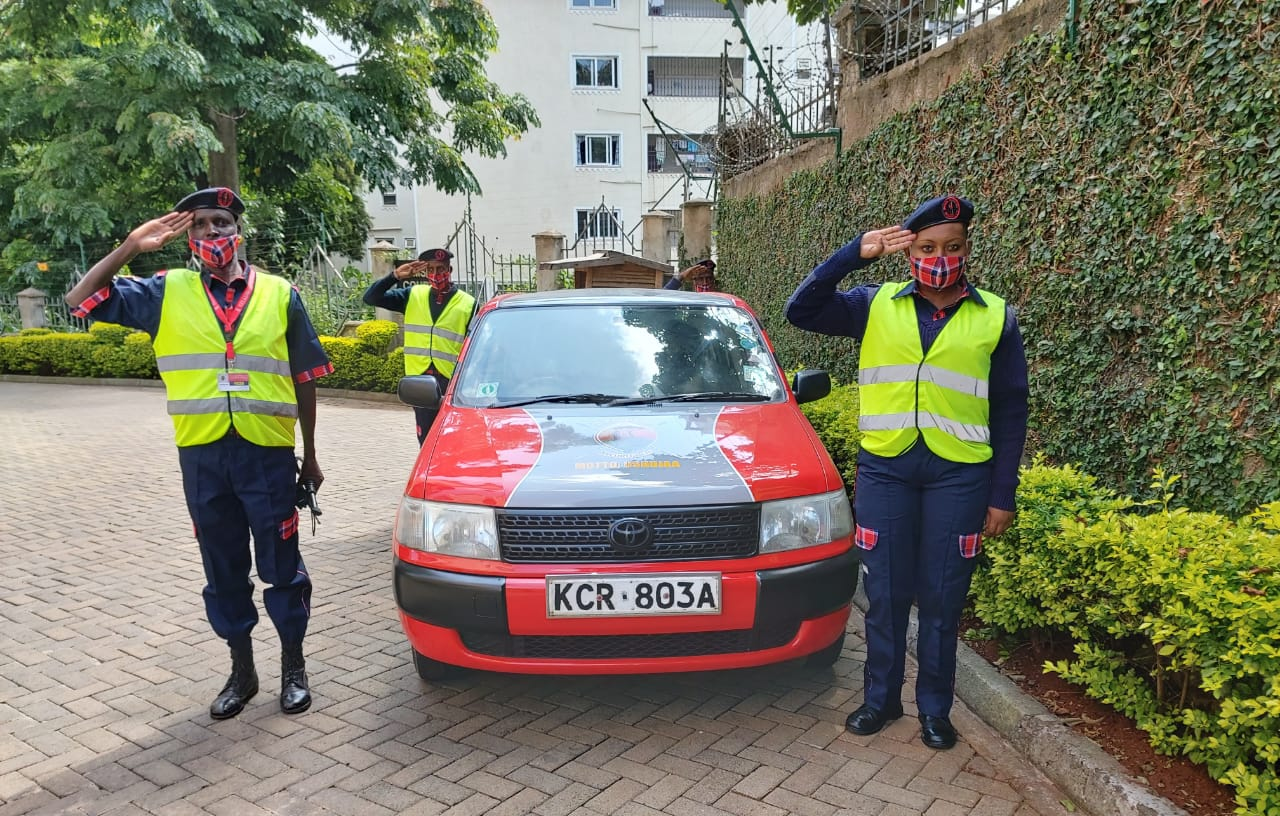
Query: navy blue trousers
{"points": [[423, 417], [234, 488], [916, 515]]}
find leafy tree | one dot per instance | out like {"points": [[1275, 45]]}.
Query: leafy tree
{"points": [[804, 11], [111, 111]]}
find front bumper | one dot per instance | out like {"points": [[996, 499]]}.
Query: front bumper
{"points": [[500, 623]]}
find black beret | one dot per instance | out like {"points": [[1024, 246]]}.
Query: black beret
{"points": [[439, 255], [212, 198], [941, 210]]}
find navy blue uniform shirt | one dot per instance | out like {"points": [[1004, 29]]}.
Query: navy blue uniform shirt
{"points": [[817, 306], [135, 302]]}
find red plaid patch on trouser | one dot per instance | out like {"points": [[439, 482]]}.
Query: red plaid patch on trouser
{"points": [[289, 527], [865, 538], [970, 545]]}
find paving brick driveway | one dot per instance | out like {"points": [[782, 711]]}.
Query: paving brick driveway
{"points": [[107, 667]]}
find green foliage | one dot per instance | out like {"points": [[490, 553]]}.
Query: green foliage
{"points": [[835, 419], [362, 363], [1025, 585], [804, 11], [357, 366], [1128, 205], [1175, 615], [114, 111]]}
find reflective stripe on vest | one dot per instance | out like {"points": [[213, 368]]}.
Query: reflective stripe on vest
{"points": [[191, 351], [904, 394], [439, 342]]}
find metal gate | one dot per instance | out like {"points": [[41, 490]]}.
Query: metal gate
{"points": [[485, 273]]}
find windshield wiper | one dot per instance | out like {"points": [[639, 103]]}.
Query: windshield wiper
{"points": [[701, 396], [595, 399]]}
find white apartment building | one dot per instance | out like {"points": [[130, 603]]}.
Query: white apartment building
{"points": [[588, 67]]}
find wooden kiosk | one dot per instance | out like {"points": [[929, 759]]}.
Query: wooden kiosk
{"points": [[609, 269]]}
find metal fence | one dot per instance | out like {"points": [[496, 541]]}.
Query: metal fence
{"points": [[602, 229], [878, 35], [481, 271]]}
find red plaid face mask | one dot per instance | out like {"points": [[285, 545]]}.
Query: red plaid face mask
{"points": [[439, 281], [215, 252], [938, 272], [704, 283]]}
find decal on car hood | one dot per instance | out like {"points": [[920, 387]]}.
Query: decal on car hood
{"points": [[662, 459], [592, 456]]}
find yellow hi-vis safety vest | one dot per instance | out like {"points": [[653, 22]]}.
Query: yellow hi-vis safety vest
{"points": [[904, 393], [439, 342], [191, 352]]}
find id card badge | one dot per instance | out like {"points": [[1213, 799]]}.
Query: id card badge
{"points": [[233, 381]]}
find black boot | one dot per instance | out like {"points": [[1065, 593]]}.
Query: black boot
{"points": [[295, 695], [241, 685]]}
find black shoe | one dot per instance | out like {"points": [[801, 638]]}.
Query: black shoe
{"points": [[295, 694], [937, 732], [867, 720], [241, 686]]}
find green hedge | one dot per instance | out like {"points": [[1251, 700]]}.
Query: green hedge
{"points": [[1128, 204], [364, 363], [1175, 615]]}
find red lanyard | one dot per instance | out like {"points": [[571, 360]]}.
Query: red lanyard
{"points": [[230, 315]]}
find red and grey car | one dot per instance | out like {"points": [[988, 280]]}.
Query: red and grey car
{"points": [[621, 481]]}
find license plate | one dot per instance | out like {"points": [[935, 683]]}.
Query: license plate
{"points": [[581, 596]]}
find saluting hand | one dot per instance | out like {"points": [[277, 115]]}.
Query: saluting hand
{"points": [[159, 231], [885, 241], [686, 272], [410, 270]]}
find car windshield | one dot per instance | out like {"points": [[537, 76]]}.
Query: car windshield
{"points": [[601, 354]]}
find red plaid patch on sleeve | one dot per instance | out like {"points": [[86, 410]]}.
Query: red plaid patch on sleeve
{"points": [[289, 527], [91, 302], [970, 545], [865, 538], [314, 374]]}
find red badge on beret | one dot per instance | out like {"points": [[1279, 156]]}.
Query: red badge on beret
{"points": [[225, 197], [951, 208]]}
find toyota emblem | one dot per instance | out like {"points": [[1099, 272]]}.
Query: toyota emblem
{"points": [[630, 534]]}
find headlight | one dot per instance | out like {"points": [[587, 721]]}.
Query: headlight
{"points": [[791, 524], [463, 530]]}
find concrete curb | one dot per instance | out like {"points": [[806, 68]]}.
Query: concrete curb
{"points": [[1092, 777], [332, 393]]}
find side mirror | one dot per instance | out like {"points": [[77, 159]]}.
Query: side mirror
{"points": [[420, 391], [809, 385]]}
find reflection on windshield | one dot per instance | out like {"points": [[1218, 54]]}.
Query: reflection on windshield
{"points": [[642, 352]]}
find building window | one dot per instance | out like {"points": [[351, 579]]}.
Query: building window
{"points": [[595, 72], [676, 154], [691, 76], [410, 243], [598, 222], [692, 8], [599, 150], [593, 4], [388, 198]]}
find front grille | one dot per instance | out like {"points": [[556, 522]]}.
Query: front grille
{"points": [[602, 647], [583, 536]]}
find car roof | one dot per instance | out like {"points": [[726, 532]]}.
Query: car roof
{"points": [[614, 297]]}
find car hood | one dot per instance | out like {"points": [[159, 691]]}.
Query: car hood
{"points": [[553, 456]]}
